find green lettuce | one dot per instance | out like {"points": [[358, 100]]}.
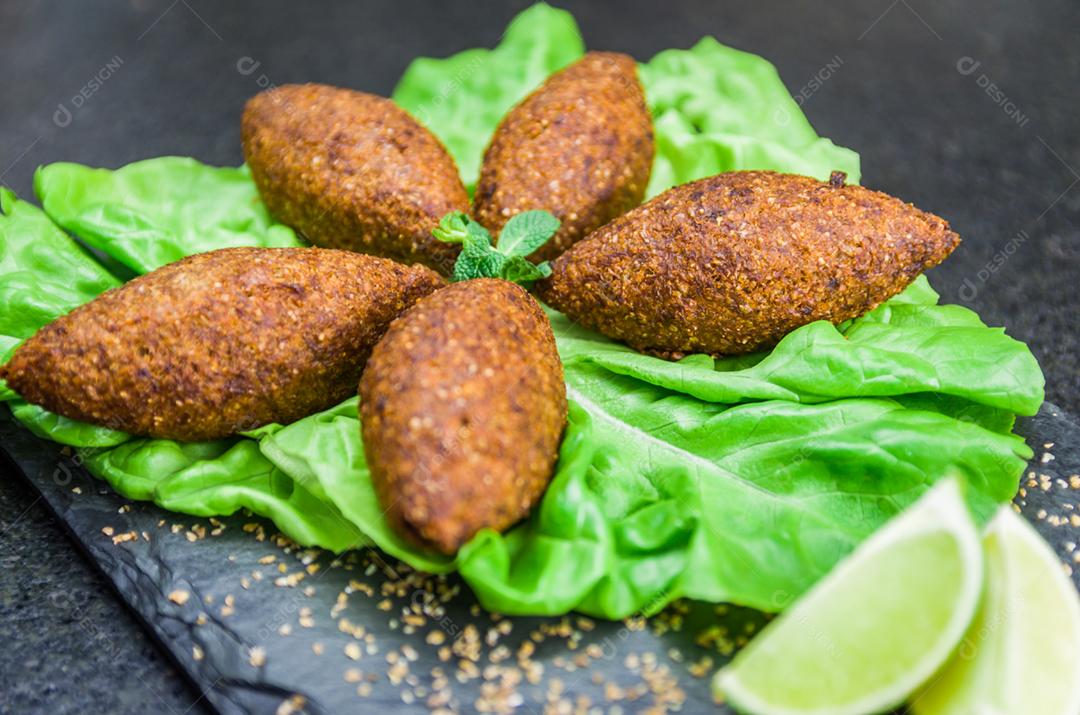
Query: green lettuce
{"points": [[150, 213], [714, 108], [218, 479], [64, 430], [898, 349], [658, 497], [324, 453], [758, 499], [43, 272], [742, 479]]}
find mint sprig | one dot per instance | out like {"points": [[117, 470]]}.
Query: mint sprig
{"points": [[521, 236]]}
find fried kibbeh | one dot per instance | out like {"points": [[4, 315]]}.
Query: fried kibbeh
{"points": [[462, 409], [730, 264], [352, 170], [219, 342], [580, 146]]}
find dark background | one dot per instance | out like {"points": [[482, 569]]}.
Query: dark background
{"points": [[967, 109]]}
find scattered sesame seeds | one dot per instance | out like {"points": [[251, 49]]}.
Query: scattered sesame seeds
{"points": [[179, 597], [292, 704]]}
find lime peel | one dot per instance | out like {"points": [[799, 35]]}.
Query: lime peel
{"points": [[1022, 652], [875, 628]]}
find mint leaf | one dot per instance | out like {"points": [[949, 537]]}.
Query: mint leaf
{"points": [[477, 261], [452, 228], [527, 231], [467, 268], [519, 269], [522, 235], [477, 235], [457, 227]]}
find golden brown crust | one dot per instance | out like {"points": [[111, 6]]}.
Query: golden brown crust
{"points": [[581, 147], [219, 342], [462, 407], [732, 263], [352, 170]]}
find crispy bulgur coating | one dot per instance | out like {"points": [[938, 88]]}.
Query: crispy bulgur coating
{"points": [[219, 342], [462, 407], [352, 170], [732, 263], [581, 147]]}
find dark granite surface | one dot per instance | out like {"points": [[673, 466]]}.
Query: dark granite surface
{"points": [[68, 642], [966, 109]]}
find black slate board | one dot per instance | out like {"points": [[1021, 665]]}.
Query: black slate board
{"points": [[248, 643]]}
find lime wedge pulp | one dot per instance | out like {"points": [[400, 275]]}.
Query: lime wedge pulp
{"points": [[876, 627], [1022, 652]]}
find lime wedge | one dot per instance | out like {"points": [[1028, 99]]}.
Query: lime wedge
{"points": [[876, 627], [1022, 651]]}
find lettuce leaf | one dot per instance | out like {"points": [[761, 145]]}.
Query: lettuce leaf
{"points": [[43, 272], [742, 479], [714, 108], [659, 497], [218, 479], [760, 498], [324, 453], [901, 348], [64, 430], [154, 212]]}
